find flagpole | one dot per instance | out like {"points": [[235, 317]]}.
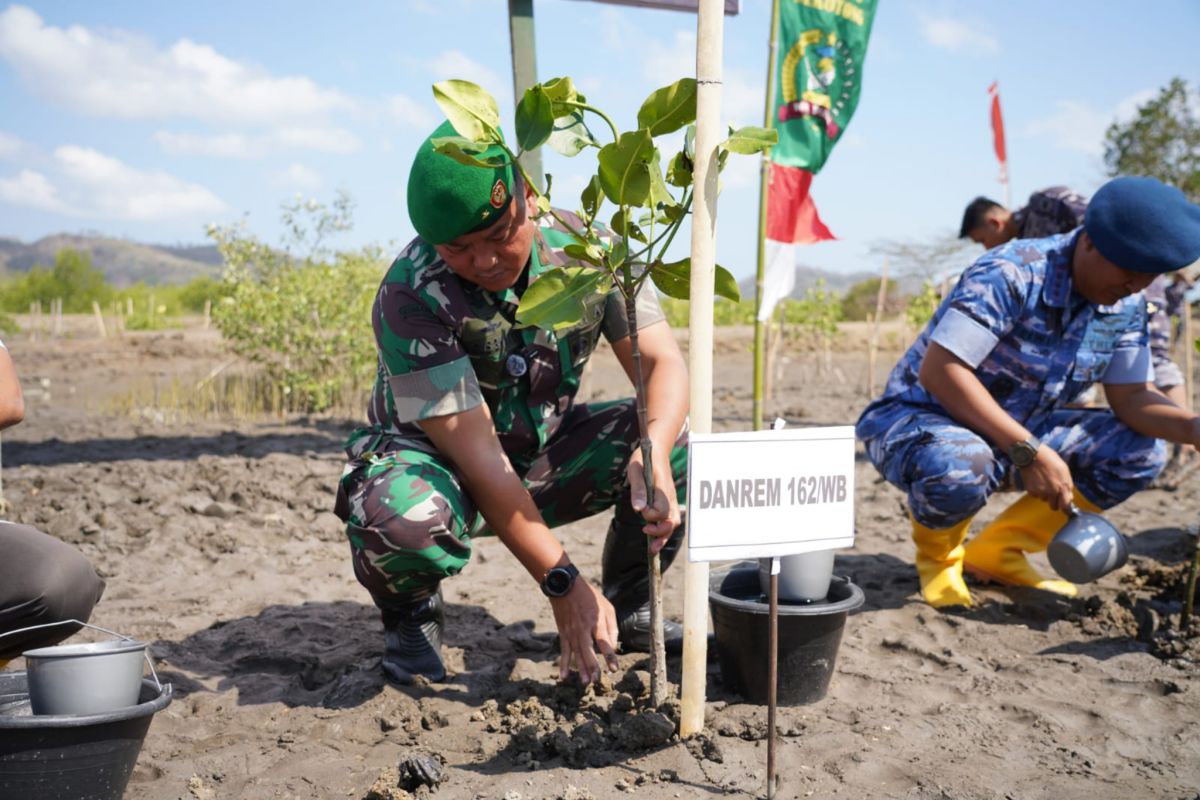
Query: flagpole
{"points": [[709, 33], [760, 331]]}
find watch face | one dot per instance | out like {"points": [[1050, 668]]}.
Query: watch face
{"points": [[558, 582]]}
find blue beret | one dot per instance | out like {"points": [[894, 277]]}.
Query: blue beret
{"points": [[1143, 225]]}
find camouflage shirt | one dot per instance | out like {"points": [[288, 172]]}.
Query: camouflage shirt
{"points": [[447, 345], [1050, 211], [1033, 342]]}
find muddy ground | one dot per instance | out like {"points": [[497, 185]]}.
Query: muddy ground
{"points": [[218, 545]]}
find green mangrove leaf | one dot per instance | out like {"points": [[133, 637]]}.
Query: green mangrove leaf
{"points": [[561, 90], [659, 193], [689, 143], [543, 204], [675, 280], [591, 198], [584, 252], [670, 108], [679, 170], [624, 171], [750, 140], [555, 300], [535, 118], [465, 151], [725, 285], [621, 224], [571, 135], [470, 109]]}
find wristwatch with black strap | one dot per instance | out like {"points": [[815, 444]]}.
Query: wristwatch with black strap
{"points": [[559, 580], [1024, 453]]}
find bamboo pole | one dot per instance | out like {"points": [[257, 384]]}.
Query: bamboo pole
{"points": [[760, 330], [872, 350], [1189, 348], [709, 31], [208, 315], [99, 320]]}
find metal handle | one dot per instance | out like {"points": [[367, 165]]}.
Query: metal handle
{"points": [[146, 652], [1073, 510]]}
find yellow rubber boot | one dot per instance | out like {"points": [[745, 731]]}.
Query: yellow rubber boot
{"points": [[940, 564], [1027, 526]]}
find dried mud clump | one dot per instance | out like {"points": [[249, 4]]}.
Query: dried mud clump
{"points": [[589, 726]]}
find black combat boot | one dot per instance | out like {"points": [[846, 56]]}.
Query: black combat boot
{"points": [[412, 636], [626, 582]]}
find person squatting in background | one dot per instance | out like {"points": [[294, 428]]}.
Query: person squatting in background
{"points": [[980, 399], [474, 429], [43, 580]]}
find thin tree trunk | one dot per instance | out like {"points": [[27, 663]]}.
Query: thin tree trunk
{"points": [[658, 647]]}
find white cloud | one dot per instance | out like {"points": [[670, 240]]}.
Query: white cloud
{"points": [[298, 176], [408, 113], [117, 74], [957, 36], [237, 145], [1077, 126], [88, 183], [453, 64], [31, 190], [10, 146]]}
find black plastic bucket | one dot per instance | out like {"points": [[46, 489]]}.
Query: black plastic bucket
{"points": [[809, 636], [81, 757]]}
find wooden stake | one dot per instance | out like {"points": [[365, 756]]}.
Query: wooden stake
{"points": [[1189, 348], [709, 31], [772, 673], [99, 320], [872, 348], [208, 318]]}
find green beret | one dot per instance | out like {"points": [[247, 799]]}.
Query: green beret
{"points": [[447, 199]]}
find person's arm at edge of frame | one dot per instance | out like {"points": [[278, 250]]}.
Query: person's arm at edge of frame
{"points": [[666, 378], [1148, 411], [583, 615], [12, 402], [955, 386]]}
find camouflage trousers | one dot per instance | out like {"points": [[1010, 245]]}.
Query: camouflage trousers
{"points": [[410, 522], [949, 472]]}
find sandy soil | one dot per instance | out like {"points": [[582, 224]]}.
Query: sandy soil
{"points": [[218, 545]]}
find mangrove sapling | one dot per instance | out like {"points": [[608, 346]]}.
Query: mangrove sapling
{"points": [[629, 174]]}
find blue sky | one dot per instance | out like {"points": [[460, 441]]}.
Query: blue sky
{"points": [[150, 120]]}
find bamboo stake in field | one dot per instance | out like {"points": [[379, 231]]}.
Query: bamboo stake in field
{"points": [[1189, 381], [709, 31], [99, 320]]}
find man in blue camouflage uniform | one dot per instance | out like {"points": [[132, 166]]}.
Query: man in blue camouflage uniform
{"points": [[1059, 209], [979, 400], [474, 429]]}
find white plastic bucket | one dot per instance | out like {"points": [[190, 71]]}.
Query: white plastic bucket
{"points": [[803, 578], [89, 678]]}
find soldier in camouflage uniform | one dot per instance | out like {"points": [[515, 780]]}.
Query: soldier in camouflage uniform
{"points": [[473, 428], [1061, 210], [979, 400]]}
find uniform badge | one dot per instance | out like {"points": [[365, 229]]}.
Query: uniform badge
{"points": [[516, 365], [499, 194]]}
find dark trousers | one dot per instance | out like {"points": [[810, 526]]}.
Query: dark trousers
{"points": [[42, 579]]}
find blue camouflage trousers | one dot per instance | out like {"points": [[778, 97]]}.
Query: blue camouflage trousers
{"points": [[949, 471]]}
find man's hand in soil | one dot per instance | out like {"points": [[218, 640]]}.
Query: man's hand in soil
{"points": [[586, 622]]}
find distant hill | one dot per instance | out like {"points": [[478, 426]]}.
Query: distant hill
{"points": [[123, 262], [807, 277]]}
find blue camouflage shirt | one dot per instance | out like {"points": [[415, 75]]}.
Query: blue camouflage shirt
{"points": [[1033, 342]]}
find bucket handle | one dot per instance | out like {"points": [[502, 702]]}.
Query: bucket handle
{"points": [[145, 652]]}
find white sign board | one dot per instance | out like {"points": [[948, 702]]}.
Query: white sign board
{"points": [[770, 493]]}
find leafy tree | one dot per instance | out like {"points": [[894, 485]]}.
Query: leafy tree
{"points": [[921, 306], [72, 278], [862, 298], [1162, 141], [306, 322]]}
